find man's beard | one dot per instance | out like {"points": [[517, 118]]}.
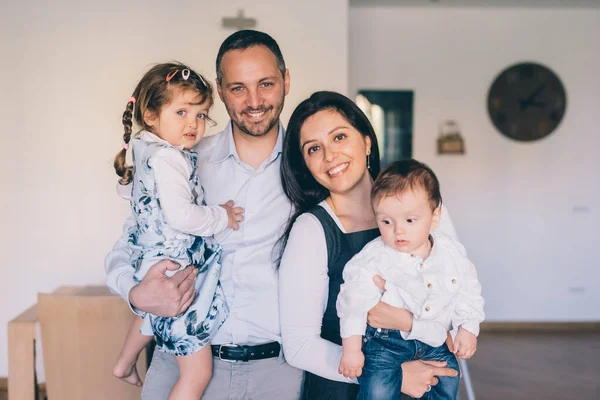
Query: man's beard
{"points": [[240, 123]]}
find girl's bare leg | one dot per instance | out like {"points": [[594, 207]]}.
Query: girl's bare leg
{"points": [[195, 372], [135, 342]]}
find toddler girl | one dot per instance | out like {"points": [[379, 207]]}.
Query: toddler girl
{"points": [[171, 105]]}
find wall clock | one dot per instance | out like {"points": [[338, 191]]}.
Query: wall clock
{"points": [[526, 102]]}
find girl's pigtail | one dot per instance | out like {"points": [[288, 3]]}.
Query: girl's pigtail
{"points": [[123, 170]]}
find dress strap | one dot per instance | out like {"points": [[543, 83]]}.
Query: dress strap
{"points": [[333, 234]]}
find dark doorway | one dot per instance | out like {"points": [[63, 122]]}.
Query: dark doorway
{"points": [[391, 113]]}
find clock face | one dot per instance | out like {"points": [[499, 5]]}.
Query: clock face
{"points": [[526, 102]]}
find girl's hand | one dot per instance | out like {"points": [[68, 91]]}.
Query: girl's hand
{"points": [[465, 344], [351, 364], [235, 215]]}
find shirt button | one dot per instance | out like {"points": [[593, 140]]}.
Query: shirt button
{"points": [[454, 281], [413, 256], [421, 265], [429, 285], [378, 329], [427, 308]]}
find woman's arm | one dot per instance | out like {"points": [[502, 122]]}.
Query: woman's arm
{"points": [[445, 226], [303, 293], [384, 315]]}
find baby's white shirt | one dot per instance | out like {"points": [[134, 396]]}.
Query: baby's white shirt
{"points": [[442, 291]]}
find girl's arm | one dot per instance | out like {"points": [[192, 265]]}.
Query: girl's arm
{"points": [[303, 293], [171, 173]]}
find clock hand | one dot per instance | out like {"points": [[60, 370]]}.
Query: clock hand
{"points": [[530, 100], [536, 93]]}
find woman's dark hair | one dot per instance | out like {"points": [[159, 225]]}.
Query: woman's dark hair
{"points": [[298, 183], [151, 94]]}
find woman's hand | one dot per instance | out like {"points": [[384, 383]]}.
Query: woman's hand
{"points": [[418, 376], [385, 316]]}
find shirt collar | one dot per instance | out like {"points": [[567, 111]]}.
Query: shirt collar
{"points": [[147, 136], [228, 149]]}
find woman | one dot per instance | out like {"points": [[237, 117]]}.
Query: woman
{"points": [[330, 158]]}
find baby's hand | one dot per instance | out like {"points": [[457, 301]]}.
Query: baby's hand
{"points": [[351, 364], [465, 344], [235, 215]]}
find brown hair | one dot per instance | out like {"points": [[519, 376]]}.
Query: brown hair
{"points": [[400, 176], [151, 94]]}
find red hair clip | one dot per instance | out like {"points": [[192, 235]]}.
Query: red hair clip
{"points": [[171, 75]]}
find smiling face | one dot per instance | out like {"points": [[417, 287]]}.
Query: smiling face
{"points": [[253, 89], [334, 151], [181, 122], [405, 220]]}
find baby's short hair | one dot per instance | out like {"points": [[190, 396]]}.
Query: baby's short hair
{"points": [[400, 176]]}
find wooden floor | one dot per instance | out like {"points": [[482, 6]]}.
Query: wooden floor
{"points": [[529, 366]]}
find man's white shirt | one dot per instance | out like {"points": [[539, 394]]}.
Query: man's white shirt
{"points": [[249, 274]]}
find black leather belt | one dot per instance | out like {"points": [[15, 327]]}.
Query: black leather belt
{"points": [[233, 353]]}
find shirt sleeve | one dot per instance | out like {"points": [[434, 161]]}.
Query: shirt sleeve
{"points": [[303, 293], [358, 293], [171, 173], [468, 310], [433, 333], [118, 268]]}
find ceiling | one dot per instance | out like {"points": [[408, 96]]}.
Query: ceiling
{"points": [[477, 3]]}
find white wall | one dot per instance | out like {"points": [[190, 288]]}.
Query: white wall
{"points": [[67, 70], [518, 207]]}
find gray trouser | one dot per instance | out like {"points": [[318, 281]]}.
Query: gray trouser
{"points": [[271, 378]]}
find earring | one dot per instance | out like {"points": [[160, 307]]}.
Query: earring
{"points": [[368, 162]]}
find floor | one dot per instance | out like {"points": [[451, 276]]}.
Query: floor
{"points": [[528, 366]]}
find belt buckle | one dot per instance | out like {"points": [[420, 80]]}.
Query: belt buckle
{"points": [[227, 345]]}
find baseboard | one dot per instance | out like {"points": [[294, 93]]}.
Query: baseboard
{"points": [[540, 327], [4, 385]]}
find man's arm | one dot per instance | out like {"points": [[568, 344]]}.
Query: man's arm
{"points": [[119, 272], [157, 293]]}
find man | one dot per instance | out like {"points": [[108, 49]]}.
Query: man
{"points": [[241, 163]]}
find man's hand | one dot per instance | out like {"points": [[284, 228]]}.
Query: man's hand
{"points": [[465, 344], [234, 214], [418, 376], [165, 296], [351, 364]]}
